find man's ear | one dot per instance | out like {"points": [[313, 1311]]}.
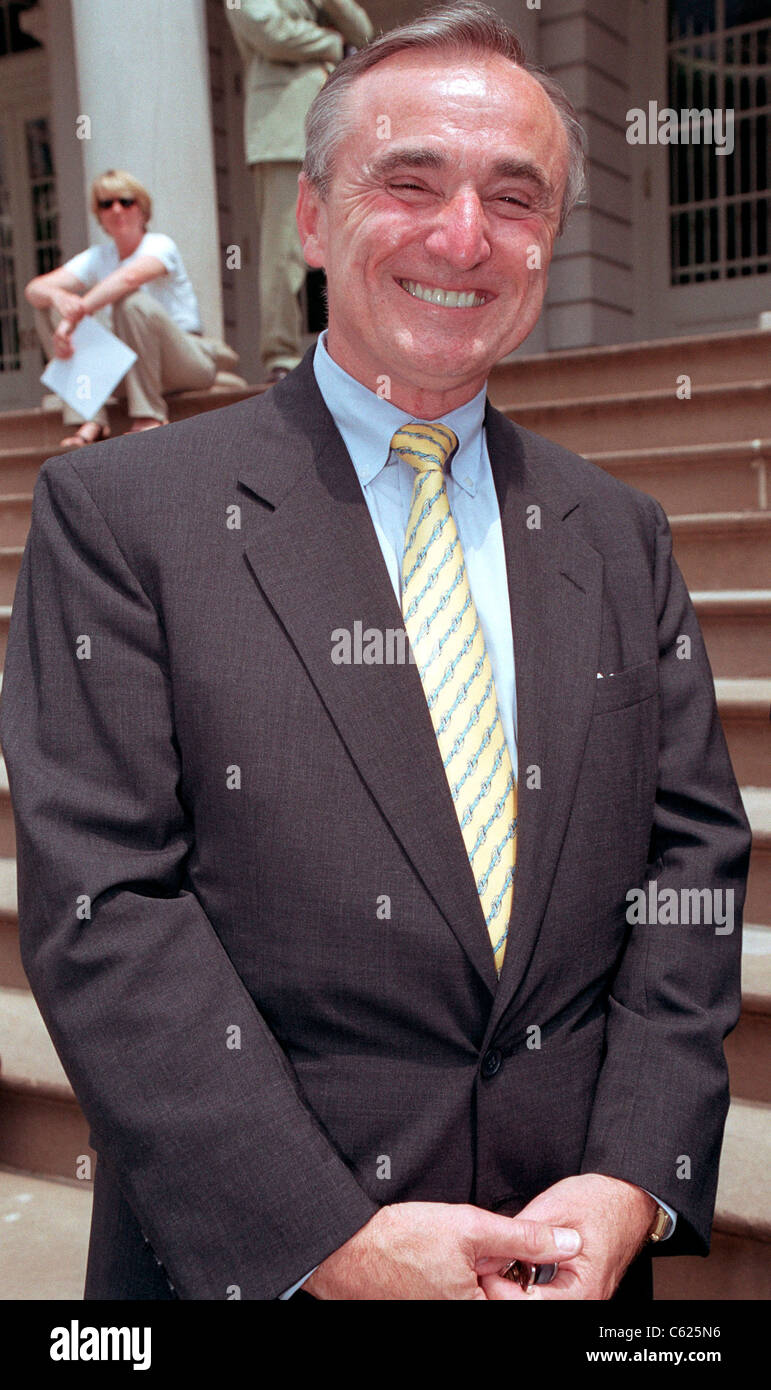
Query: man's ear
{"points": [[311, 222]]}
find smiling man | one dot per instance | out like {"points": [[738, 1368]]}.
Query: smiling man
{"points": [[337, 954], [436, 240]]}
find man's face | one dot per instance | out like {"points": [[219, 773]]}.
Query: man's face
{"points": [[451, 180]]}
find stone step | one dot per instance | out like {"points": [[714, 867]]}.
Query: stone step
{"points": [[23, 432], [743, 1205], [654, 365], [724, 550], [5, 618], [757, 804], [10, 561], [696, 477], [7, 826], [739, 1263], [45, 1224], [756, 971], [19, 468], [613, 423], [748, 1048], [25, 429], [736, 625], [15, 513], [745, 713], [42, 1128], [11, 969]]}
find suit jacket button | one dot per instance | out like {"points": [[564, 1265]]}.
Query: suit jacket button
{"points": [[491, 1063]]}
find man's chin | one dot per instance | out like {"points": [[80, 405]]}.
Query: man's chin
{"points": [[446, 365]]}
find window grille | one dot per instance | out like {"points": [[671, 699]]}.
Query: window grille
{"points": [[718, 60]]}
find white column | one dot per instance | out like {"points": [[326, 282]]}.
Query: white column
{"points": [[143, 82]]}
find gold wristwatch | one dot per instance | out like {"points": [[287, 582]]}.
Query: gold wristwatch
{"points": [[662, 1225]]}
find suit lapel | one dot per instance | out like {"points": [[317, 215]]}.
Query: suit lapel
{"points": [[555, 594], [315, 556]]}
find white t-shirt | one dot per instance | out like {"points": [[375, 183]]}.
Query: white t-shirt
{"points": [[173, 290]]}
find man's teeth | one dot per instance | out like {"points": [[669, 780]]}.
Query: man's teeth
{"points": [[451, 299]]}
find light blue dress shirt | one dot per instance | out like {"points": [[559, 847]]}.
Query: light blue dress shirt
{"points": [[367, 423]]}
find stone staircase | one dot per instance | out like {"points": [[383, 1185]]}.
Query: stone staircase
{"points": [[688, 421], [46, 1163], [707, 459]]}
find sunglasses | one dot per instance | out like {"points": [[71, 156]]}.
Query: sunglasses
{"points": [[104, 204]]}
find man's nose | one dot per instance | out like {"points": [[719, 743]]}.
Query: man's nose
{"points": [[459, 234]]}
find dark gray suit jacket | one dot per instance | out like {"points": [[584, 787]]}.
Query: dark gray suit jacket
{"points": [[210, 811]]}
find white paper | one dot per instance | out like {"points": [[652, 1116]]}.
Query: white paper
{"points": [[86, 379]]}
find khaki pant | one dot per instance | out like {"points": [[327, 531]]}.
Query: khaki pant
{"points": [[282, 264], [168, 359]]}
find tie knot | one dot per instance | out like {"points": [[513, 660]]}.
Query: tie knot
{"points": [[424, 445]]}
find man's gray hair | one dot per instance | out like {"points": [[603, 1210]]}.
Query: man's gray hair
{"points": [[456, 28]]}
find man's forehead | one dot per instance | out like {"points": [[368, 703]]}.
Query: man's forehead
{"points": [[434, 77], [485, 104]]}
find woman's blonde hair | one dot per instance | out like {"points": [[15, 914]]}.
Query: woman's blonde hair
{"points": [[117, 183]]}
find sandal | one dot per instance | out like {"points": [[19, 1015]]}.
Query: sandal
{"points": [[146, 422], [79, 440]]}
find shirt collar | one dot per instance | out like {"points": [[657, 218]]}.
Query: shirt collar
{"points": [[368, 423]]}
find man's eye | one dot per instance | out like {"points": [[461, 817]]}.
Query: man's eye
{"points": [[417, 187], [516, 202]]}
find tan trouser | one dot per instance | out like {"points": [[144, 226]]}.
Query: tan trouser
{"points": [[282, 264], [168, 359]]}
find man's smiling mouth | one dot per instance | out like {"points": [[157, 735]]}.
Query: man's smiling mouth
{"points": [[449, 299]]}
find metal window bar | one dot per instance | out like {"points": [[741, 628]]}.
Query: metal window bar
{"points": [[13, 38], [10, 359], [42, 186], [715, 232]]}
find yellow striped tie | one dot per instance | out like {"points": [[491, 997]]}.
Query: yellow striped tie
{"points": [[449, 647]]}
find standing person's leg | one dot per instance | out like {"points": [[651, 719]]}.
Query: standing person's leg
{"points": [[282, 264], [168, 359], [46, 321]]}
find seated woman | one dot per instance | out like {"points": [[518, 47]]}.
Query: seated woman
{"points": [[154, 308]]}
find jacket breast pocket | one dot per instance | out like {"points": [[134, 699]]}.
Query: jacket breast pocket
{"points": [[627, 687]]}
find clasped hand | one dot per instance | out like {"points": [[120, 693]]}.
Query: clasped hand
{"points": [[591, 1225]]}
